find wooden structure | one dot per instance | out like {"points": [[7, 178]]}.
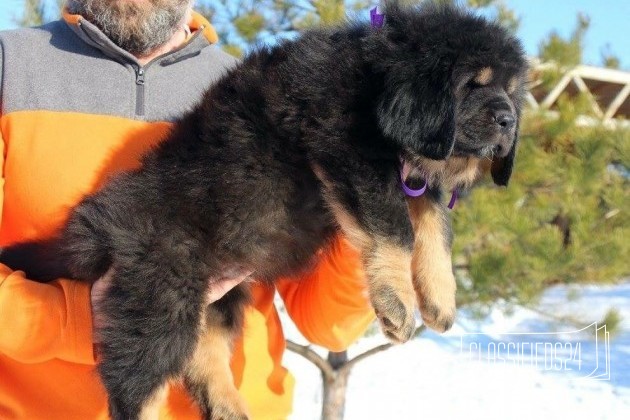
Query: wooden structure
{"points": [[607, 89]]}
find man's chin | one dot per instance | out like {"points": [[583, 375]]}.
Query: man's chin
{"points": [[137, 26]]}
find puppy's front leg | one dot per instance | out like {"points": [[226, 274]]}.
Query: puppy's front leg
{"points": [[389, 283], [431, 262], [375, 220]]}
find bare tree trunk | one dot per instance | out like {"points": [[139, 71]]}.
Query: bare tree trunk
{"points": [[335, 373], [334, 403]]}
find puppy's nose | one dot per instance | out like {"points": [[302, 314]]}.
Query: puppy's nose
{"points": [[504, 119]]}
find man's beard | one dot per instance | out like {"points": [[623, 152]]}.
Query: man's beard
{"points": [[138, 27]]}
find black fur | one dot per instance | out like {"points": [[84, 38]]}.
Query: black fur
{"points": [[234, 186]]}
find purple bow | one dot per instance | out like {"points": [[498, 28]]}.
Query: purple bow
{"points": [[376, 18]]}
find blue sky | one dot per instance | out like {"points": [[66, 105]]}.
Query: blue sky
{"points": [[610, 24], [610, 21]]}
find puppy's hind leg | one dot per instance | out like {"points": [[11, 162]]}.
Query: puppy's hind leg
{"points": [[150, 332], [207, 376], [149, 410]]}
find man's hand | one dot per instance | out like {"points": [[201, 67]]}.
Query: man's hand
{"points": [[217, 288]]}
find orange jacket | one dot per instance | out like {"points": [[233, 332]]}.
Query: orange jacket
{"points": [[56, 147]]}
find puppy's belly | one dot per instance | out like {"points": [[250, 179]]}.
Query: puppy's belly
{"points": [[287, 251]]}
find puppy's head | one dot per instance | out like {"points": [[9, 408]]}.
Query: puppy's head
{"points": [[453, 85]]}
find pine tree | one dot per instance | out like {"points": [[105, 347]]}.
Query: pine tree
{"points": [[563, 53], [38, 12], [242, 24], [563, 219], [609, 59], [33, 14]]}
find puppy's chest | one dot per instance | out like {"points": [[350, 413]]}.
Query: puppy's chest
{"points": [[454, 172]]}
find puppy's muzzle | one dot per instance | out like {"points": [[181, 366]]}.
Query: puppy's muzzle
{"points": [[504, 121], [502, 148]]}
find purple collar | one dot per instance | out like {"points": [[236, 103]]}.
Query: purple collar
{"points": [[454, 196], [410, 192]]}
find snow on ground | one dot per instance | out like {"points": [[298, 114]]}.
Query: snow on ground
{"points": [[443, 377]]}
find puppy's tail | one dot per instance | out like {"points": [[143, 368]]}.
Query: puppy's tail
{"points": [[41, 260], [80, 252]]}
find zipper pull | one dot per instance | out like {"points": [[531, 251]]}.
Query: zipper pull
{"points": [[140, 76]]}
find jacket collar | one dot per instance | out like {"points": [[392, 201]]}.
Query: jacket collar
{"points": [[203, 35]]}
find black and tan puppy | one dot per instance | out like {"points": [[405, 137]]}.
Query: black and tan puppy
{"points": [[297, 142]]}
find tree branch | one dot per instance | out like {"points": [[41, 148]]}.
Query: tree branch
{"points": [[350, 363], [557, 318], [310, 355], [327, 369]]}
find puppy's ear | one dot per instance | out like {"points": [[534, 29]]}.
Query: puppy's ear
{"points": [[501, 168], [419, 115], [416, 107]]}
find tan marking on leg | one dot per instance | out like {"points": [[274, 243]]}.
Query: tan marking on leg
{"points": [[388, 267], [210, 365], [484, 76], [350, 226], [432, 267], [151, 408], [347, 222]]}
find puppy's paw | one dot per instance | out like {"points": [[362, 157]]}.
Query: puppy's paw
{"points": [[394, 310], [436, 301], [437, 317]]}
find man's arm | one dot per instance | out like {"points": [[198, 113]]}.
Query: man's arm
{"points": [[42, 321], [330, 305]]}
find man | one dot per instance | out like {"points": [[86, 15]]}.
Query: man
{"points": [[81, 99]]}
